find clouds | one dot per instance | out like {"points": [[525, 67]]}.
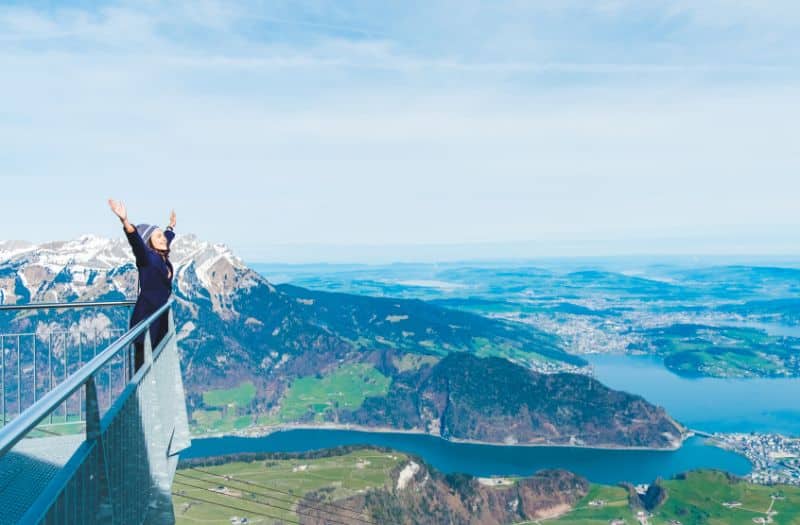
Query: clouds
{"points": [[365, 122], [445, 34]]}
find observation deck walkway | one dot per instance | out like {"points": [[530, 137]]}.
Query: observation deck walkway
{"points": [[101, 445]]}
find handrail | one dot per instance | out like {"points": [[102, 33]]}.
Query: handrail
{"points": [[27, 421], [87, 304]]}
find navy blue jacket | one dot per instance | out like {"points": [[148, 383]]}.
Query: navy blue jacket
{"points": [[155, 282]]}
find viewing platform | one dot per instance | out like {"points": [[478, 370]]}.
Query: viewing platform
{"points": [[102, 444]]}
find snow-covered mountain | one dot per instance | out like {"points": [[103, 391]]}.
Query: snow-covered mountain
{"points": [[235, 328], [91, 267], [233, 322]]}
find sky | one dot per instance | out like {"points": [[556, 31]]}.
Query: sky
{"points": [[305, 131]]}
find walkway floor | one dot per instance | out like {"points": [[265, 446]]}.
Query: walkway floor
{"points": [[28, 468]]}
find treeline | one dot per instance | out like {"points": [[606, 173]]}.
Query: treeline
{"points": [[249, 457]]}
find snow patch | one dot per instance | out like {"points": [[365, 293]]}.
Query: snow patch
{"points": [[185, 330]]}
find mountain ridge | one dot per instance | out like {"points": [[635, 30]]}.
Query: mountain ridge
{"points": [[236, 328]]}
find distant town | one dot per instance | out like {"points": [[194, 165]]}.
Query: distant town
{"points": [[775, 458]]}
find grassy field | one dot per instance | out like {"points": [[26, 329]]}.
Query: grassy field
{"points": [[346, 387], [240, 396], [607, 504], [486, 348], [221, 414], [344, 475], [696, 500], [699, 500], [218, 421]]}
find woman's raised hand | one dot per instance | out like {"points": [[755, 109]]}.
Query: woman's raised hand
{"points": [[119, 209], [172, 219]]}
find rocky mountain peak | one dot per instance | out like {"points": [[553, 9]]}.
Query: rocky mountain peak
{"points": [[90, 266]]}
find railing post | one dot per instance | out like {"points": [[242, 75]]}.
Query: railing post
{"points": [[66, 374], [50, 365], [131, 350], [3, 372], [108, 382], [80, 364], [34, 367], [148, 348], [105, 508], [19, 376]]}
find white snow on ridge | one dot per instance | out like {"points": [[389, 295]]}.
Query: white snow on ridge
{"points": [[215, 266], [10, 249], [100, 253]]}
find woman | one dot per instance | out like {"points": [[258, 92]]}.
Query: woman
{"points": [[151, 249]]}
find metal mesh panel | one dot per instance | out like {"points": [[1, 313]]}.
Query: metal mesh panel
{"points": [[135, 440], [28, 469], [122, 471]]}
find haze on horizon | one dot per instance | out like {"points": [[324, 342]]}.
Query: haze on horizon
{"points": [[296, 131]]}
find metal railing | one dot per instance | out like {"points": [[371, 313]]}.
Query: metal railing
{"points": [[61, 306], [52, 358], [122, 468]]}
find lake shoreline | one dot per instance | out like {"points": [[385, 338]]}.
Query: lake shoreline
{"points": [[264, 431], [609, 465]]}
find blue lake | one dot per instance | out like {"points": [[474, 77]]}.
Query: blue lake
{"points": [[598, 465], [708, 404], [711, 405]]}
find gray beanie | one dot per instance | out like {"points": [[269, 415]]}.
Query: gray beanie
{"points": [[146, 230]]}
